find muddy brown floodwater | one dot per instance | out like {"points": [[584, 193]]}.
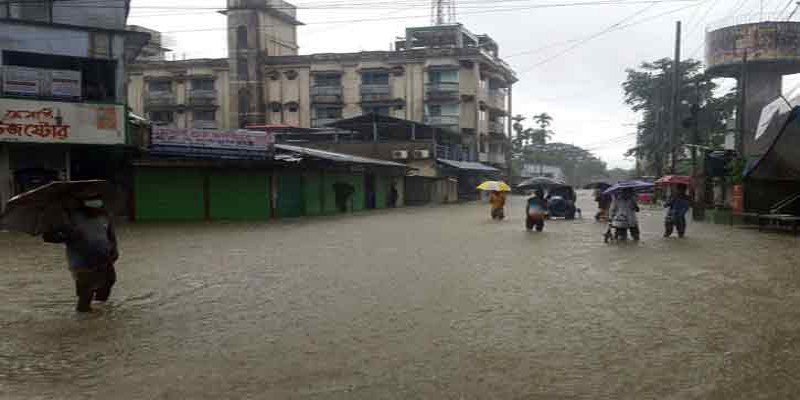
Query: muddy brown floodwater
{"points": [[414, 303]]}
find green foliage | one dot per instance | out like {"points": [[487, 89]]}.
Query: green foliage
{"points": [[648, 91], [532, 145]]}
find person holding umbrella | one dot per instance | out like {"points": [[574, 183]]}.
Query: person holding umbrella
{"points": [[91, 248], [677, 207], [497, 197], [73, 213]]}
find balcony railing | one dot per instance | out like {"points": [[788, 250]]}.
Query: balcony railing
{"points": [[204, 124], [326, 90], [442, 89], [160, 98], [497, 158], [497, 98], [202, 97], [442, 120], [496, 127], [375, 92], [321, 122]]}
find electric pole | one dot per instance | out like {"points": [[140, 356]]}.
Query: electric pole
{"points": [[676, 90], [740, 113]]}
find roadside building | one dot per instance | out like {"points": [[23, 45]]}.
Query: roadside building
{"points": [[440, 170], [62, 92], [193, 174], [443, 76], [532, 170]]}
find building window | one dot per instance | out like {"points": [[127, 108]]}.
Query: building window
{"points": [[292, 107], [274, 75], [161, 117], [159, 87], [483, 144], [436, 110], [40, 10], [482, 115], [327, 80], [291, 74], [325, 115], [448, 75], [202, 84], [242, 72], [380, 110], [328, 112], [375, 78], [275, 107], [241, 37], [204, 115]]}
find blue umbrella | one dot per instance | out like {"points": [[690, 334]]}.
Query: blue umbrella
{"points": [[635, 185]]}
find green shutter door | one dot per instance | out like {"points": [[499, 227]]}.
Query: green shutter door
{"points": [[381, 191], [169, 194], [239, 195], [313, 192], [291, 201]]}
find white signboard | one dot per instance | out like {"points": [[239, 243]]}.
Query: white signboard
{"points": [[22, 81], [65, 83], [56, 122], [209, 142]]}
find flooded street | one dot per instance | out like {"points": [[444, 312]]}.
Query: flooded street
{"points": [[414, 303]]}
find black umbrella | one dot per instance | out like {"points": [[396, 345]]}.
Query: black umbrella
{"points": [[598, 185], [35, 210], [540, 182]]}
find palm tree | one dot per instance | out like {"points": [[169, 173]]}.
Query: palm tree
{"points": [[544, 120]]}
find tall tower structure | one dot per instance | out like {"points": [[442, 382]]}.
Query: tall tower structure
{"points": [[443, 12], [256, 29], [758, 55]]}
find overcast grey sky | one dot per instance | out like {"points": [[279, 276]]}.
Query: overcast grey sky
{"points": [[568, 68]]}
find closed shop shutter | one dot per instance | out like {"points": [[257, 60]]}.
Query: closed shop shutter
{"points": [[313, 192], [169, 194], [291, 199], [239, 195]]}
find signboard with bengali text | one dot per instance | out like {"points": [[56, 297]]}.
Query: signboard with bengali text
{"points": [[34, 121], [234, 144], [765, 41]]}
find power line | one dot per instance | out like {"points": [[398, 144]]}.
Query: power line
{"points": [[614, 27]]}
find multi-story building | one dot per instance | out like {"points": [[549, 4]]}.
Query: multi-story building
{"points": [[443, 76], [62, 91]]}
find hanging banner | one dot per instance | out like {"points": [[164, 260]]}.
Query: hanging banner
{"points": [[56, 122], [21, 81], [212, 143], [66, 84]]}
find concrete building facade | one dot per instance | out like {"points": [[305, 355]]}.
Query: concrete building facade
{"points": [[443, 76], [62, 90]]}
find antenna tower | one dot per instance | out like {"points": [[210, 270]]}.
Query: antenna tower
{"points": [[443, 12]]}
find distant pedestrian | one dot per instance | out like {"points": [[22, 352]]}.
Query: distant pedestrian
{"points": [[678, 205], [394, 195], [91, 249], [498, 201]]}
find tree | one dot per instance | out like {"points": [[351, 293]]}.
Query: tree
{"points": [[543, 120], [648, 90]]}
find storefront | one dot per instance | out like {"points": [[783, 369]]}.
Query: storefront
{"points": [[43, 141]]}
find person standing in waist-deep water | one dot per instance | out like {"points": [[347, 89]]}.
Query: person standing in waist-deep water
{"points": [[678, 205], [498, 202], [91, 249]]}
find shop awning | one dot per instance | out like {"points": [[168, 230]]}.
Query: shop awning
{"points": [[468, 166], [781, 162], [336, 157]]}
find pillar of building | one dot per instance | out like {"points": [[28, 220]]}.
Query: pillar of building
{"points": [[5, 176]]}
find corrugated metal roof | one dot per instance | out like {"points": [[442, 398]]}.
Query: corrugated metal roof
{"points": [[337, 157], [469, 165]]}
